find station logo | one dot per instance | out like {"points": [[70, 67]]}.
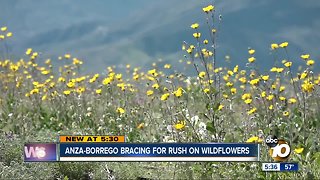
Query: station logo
{"points": [[279, 148]]}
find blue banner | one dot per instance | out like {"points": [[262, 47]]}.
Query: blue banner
{"points": [[159, 152], [289, 167]]}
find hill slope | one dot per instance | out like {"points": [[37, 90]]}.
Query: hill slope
{"points": [[112, 32]]}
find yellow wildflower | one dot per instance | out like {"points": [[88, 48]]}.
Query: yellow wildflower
{"points": [[310, 62], [71, 84], [271, 107], [248, 101], [254, 139], [118, 76], [44, 97], [195, 26], [292, 100], [202, 74], [67, 56], [285, 113], [149, 92], [279, 70], [298, 150], [76, 61], [282, 88], [183, 47], [251, 111], [254, 81], [140, 126], [155, 86], [14, 67], [29, 51], [226, 77], [4, 28], [180, 125], [305, 56], [178, 92], [120, 110], [265, 78], [121, 86], [251, 59], [34, 91], [251, 51], [282, 98], [246, 96], [303, 75], [106, 81], [45, 72], [196, 35], [284, 44], [153, 72], [150, 78], [229, 84], [35, 83], [165, 96], [48, 61], [243, 80], [274, 46], [81, 90], [273, 69], [230, 73], [288, 64], [136, 77], [235, 69], [98, 91], [307, 87], [233, 90], [66, 92], [270, 97], [9, 34], [167, 66], [61, 79], [208, 9], [52, 84]]}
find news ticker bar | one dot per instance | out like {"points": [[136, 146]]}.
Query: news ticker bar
{"points": [[159, 152], [283, 166], [135, 152]]}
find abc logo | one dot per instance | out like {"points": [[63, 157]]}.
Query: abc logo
{"points": [[279, 148]]}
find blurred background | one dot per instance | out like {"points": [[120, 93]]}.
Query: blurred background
{"points": [[139, 32]]}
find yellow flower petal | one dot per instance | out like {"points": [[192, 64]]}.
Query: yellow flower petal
{"points": [[254, 139], [298, 150]]}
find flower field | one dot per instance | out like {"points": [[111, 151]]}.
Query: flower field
{"points": [[42, 98]]}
